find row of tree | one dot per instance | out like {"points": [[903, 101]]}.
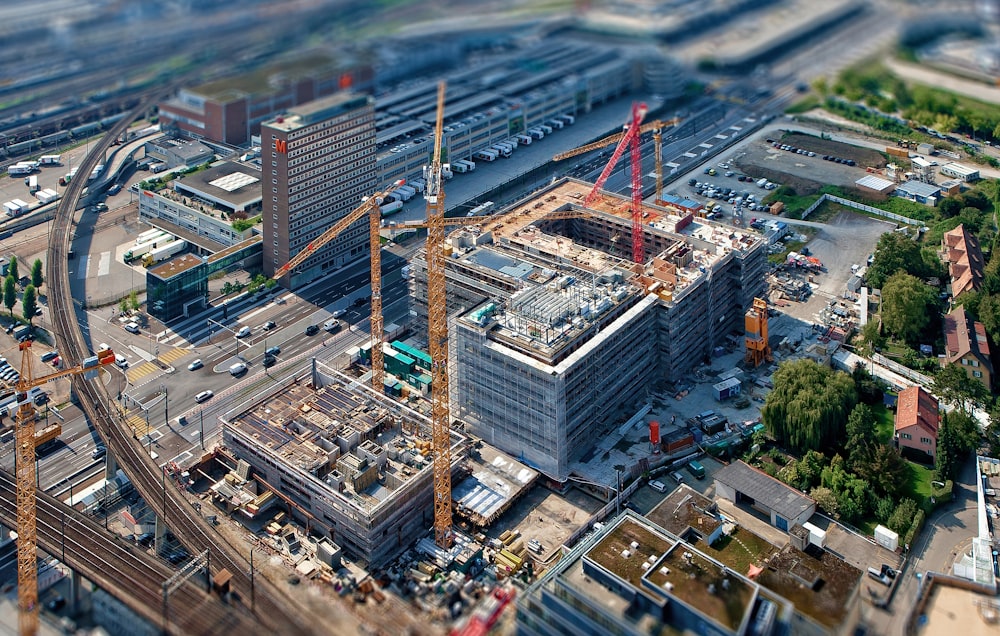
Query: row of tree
{"points": [[29, 299]]}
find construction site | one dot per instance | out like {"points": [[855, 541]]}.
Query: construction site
{"points": [[551, 336]]}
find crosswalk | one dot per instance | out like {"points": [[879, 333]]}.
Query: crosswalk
{"points": [[140, 371]]}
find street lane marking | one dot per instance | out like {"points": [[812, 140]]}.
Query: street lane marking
{"points": [[104, 265], [140, 371]]}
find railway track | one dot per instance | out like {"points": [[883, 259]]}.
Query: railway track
{"points": [[116, 565], [274, 612]]}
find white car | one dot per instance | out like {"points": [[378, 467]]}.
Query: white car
{"points": [[243, 332], [658, 486], [195, 365], [204, 395], [338, 313], [132, 327]]}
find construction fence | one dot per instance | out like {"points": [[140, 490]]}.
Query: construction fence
{"points": [[861, 207]]}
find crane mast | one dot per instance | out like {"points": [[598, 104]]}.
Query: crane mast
{"points": [[437, 337], [24, 441]]}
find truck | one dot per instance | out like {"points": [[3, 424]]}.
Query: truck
{"points": [[569, 119], [417, 184], [10, 209], [148, 234], [761, 182], [165, 252], [391, 207], [147, 246], [557, 123], [536, 132], [481, 210], [486, 155], [524, 139], [409, 191], [22, 206], [32, 183], [20, 169], [502, 149], [96, 172], [50, 160], [446, 172], [47, 196], [459, 167], [471, 165], [545, 129]]}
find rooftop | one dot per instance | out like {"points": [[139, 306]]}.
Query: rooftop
{"points": [[319, 110], [269, 78], [819, 583], [917, 407], [685, 508], [876, 183], [783, 499], [918, 188], [362, 445], [626, 549], [235, 184], [497, 480], [176, 265]]}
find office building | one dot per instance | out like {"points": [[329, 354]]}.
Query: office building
{"points": [[318, 164], [555, 333]]}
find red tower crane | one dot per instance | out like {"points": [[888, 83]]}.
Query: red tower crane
{"points": [[630, 139]]}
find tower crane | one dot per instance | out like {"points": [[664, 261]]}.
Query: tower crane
{"points": [[26, 440], [628, 138], [437, 336], [369, 206]]}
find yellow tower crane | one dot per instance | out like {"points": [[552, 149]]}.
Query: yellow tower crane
{"points": [[437, 337], [369, 206], [26, 439]]}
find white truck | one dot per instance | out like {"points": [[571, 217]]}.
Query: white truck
{"points": [[524, 139], [408, 191], [20, 168], [446, 172], [11, 209], [32, 183], [537, 133], [22, 206], [486, 155], [459, 167], [165, 252], [502, 151], [47, 196], [417, 184], [50, 160]]}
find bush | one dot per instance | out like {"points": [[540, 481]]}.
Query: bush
{"points": [[943, 494], [903, 516], [918, 521]]}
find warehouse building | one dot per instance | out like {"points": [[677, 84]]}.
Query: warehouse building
{"points": [[958, 171], [356, 461], [230, 110], [556, 333]]}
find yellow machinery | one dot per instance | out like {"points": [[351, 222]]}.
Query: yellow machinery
{"points": [[25, 440], [758, 350]]}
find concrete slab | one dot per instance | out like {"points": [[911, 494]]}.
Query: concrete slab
{"points": [[548, 517]]}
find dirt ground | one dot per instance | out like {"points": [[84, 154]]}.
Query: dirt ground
{"points": [[548, 517], [864, 156]]}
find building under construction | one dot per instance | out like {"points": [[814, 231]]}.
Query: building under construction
{"points": [[554, 332], [350, 461]]}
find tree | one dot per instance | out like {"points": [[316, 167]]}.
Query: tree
{"points": [[949, 207], [133, 300], [808, 406], [907, 306], [992, 433], [29, 303], [872, 337], [861, 435], [123, 305], [895, 252], [988, 313], [9, 294], [867, 386], [12, 269], [957, 435], [36, 273], [902, 516], [826, 500], [884, 469], [953, 384]]}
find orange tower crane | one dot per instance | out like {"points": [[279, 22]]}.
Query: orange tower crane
{"points": [[26, 439], [437, 336], [369, 206]]}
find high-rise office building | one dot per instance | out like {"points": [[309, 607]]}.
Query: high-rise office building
{"points": [[318, 164]]}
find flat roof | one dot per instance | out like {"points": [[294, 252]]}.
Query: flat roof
{"points": [[685, 508], [234, 184], [873, 182], [497, 480], [919, 188], [319, 110], [960, 169], [261, 80], [175, 266], [764, 489]]}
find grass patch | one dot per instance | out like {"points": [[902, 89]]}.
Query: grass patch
{"points": [[804, 105], [918, 485], [794, 203], [827, 210], [885, 426], [739, 550]]}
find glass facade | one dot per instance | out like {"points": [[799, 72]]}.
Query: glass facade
{"points": [[171, 289]]}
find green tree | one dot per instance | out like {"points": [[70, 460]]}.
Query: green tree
{"points": [[907, 306], [871, 336], [29, 303], [123, 305], [826, 500], [992, 433], [808, 406], [949, 207], [867, 386], [133, 300], [957, 436], [36, 273], [895, 252], [12, 269], [9, 294], [954, 385], [861, 435], [884, 468], [902, 516], [996, 131]]}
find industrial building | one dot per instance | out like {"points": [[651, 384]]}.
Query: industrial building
{"points": [[319, 159], [506, 96], [231, 110], [353, 462], [959, 171], [555, 333]]}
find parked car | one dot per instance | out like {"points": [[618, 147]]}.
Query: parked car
{"points": [[204, 395], [657, 485]]}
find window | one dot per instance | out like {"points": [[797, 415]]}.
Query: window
{"points": [[906, 436], [925, 440], [977, 374]]}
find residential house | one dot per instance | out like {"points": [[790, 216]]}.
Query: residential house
{"points": [[917, 421], [960, 250], [966, 344]]}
